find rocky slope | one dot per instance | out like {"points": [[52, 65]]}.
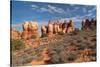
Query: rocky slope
{"points": [[79, 46]]}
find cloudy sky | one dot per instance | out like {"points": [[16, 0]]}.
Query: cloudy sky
{"points": [[42, 12]]}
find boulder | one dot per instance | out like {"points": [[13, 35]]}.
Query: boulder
{"points": [[15, 34]]}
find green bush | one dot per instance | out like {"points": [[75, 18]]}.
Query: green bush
{"points": [[77, 30], [60, 33], [17, 44], [33, 37], [71, 57], [43, 35]]}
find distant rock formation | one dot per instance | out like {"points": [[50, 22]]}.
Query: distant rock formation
{"points": [[60, 27], [15, 34], [56, 27], [64, 26], [88, 24], [70, 27], [29, 29], [50, 29]]}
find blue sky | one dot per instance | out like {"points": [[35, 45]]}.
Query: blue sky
{"points": [[42, 12]]}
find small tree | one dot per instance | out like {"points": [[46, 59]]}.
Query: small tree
{"points": [[17, 44]]}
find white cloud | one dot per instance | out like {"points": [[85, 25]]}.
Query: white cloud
{"points": [[93, 16], [84, 10], [75, 19], [67, 11], [17, 25], [90, 14], [34, 6], [49, 8], [43, 9], [54, 9], [70, 11], [94, 9]]}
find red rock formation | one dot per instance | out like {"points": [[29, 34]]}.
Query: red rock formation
{"points": [[70, 27], [88, 25], [30, 28], [60, 27], [93, 23], [26, 30], [15, 34], [50, 29], [55, 28], [26, 34], [34, 27], [64, 26]]}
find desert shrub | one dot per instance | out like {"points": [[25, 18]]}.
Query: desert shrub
{"points": [[17, 44], [33, 37], [79, 41], [82, 46], [60, 33], [43, 35], [22, 60], [66, 57], [71, 57], [55, 58], [77, 30], [63, 57], [73, 33], [92, 46], [93, 39], [25, 57]]}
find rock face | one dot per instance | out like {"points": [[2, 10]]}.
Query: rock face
{"points": [[88, 24], [50, 29], [15, 34], [64, 26], [70, 27], [60, 27], [57, 26], [29, 29]]}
